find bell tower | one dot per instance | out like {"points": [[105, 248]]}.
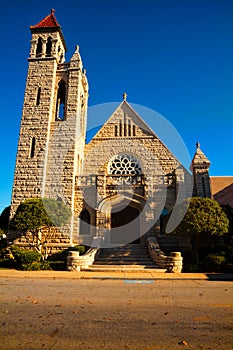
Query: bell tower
{"points": [[53, 124]]}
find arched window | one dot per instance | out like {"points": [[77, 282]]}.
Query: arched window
{"points": [[38, 96], [49, 46], [61, 99], [85, 220], [39, 47], [33, 146]]}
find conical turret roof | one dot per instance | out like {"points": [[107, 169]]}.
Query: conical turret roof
{"points": [[48, 22]]}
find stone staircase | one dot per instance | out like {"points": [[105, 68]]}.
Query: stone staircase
{"points": [[128, 258]]}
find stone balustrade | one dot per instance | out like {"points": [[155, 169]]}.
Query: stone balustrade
{"points": [[75, 262], [172, 262]]}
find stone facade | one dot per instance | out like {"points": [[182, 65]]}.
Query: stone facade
{"points": [[48, 154], [125, 169]]}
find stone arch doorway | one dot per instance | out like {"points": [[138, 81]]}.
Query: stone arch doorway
{"points": [[124, 219], [125, 225]]}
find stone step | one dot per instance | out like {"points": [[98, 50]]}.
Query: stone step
{"points": [[124, 252], [126, 246], [123, 262], [105, 254], [123, 268], [130, 258], [120, 250], [123, 257], [132, 249]]}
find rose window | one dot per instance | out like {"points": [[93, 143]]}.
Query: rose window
{"points": [[124, 164]]}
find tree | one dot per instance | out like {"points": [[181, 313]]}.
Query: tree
{"points": [[204, 218], [35, 213], [4, 223], [4, 218], [229, 213]]}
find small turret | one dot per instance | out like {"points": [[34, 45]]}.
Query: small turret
{"points": [[76, 61], [200, 169]]}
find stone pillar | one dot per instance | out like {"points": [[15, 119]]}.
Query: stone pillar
{"points": [[33, 48], [43, 48]]}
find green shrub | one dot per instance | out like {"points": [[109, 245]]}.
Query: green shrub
{"points": [[3, 240], [6, 258], [58, 265], [37, 265], [79, 248], [191, 268], [58, 260], [7, 263], [61, 255], [214, 262], [24, 258]]}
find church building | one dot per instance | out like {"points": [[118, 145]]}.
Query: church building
{"points": [[120, 184]]}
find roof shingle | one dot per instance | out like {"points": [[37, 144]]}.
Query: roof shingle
{"points": [[48, 22], [218, 183]]}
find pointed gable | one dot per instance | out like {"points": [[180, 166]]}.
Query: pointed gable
{"points": [[48, 22], [200, 159], [124, 122], [125, 132]]}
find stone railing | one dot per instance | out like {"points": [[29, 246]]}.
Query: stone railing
{"points": [[75, 262], [172, 262], [125, 180]]}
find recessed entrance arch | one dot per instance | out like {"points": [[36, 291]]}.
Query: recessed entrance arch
{"points": [[125, 225], [124, 218]]}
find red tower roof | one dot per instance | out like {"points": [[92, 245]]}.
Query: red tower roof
{"points": [[48, 22]]}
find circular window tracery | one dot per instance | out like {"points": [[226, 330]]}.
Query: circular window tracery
{"points": [[124, 164]]}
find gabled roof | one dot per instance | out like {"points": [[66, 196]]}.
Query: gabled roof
{"points": [[219, 183], [222, 189], [126, 124], [48, 22]]}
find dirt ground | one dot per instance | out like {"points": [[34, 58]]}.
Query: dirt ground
{"points": [[53, 313]]}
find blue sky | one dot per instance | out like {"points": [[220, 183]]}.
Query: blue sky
{"points": [[175, 57]]}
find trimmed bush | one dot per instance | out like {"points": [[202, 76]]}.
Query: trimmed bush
{"points": [[24, 258], [58, 265], [61, 255], [191, 268], [214, 262], [38, 265], [79, 248]]}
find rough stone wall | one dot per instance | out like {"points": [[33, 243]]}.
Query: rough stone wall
{"points": [[202, 182], [37, 115], [50, 152], [125, 132], [51, 240], [153, 155], [155, 158], [29, 170]]}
